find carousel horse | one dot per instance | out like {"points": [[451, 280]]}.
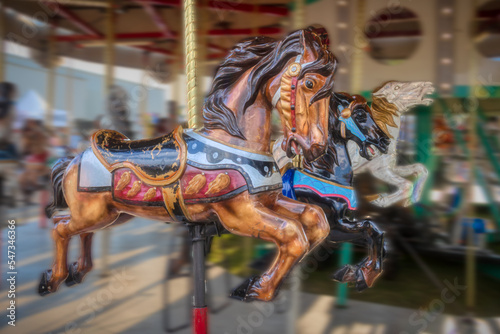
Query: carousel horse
{"points": [[223, 172], [390, 101], [328, 182]]}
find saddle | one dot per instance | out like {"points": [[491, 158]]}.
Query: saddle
{"points": [[159, 161]]}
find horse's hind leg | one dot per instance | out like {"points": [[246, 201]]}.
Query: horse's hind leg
{"points": [[78, 270], [52, 278], [416, 169]]}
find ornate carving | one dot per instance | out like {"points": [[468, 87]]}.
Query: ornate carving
{"points": [[136, 187], [124, 181], [149, 194], [196, 184], [221, 182]]}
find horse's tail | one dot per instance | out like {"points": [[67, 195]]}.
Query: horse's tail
{"points": [[56, 176]]}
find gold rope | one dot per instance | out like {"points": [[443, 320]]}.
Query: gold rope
{"points": [[190, 59]]}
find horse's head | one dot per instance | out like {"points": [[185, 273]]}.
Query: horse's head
{"points": [[405, 95], [353, 121], [300, 93]]}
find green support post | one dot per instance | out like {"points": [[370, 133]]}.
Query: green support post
{"points": [[424, 150], [342, 289]]}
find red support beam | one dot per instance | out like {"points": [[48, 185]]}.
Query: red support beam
{"points": [[76, 21], [230, 6], [154, 49], [217, 48], [156, 17], [157, 34]]}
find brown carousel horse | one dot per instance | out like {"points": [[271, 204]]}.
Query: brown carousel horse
{"points": [[223, 172]]}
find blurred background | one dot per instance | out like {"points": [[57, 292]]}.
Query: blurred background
{"points": [[70, 67]]}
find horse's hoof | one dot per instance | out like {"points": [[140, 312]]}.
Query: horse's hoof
{"points": [[341, 275], [43, 287], [242, 292], [361, 284], [74, 277]]}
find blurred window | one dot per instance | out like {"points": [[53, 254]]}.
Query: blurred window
{"points": [[393, 35], [486, 30]]}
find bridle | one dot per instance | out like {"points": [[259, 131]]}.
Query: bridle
{"points": [[347, 122], [293, 71]]}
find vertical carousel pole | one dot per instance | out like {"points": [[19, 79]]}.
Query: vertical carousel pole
{"points": [[200, 309], [49, 115], [356, 79], [293, 312], [190, 60], [2, 43], [49, 112], [108, 82]]}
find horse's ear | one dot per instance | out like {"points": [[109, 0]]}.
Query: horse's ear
{"points": [[309, 54]]}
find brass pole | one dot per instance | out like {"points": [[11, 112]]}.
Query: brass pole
{"points": [[357, 57], [298, 19], [190, 60], [51, 79], [110, 48]]}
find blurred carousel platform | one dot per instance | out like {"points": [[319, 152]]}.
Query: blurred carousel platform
{"points": [[129, 297]]}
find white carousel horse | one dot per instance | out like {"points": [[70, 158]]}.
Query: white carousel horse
{"points": [[390, 101]]}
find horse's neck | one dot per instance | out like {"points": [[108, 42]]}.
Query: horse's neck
{"points": [[254, 122], [325, 168], [394, 132], [342, 173]]}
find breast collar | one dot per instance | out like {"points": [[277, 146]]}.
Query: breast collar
{"points": [[260, 170]]}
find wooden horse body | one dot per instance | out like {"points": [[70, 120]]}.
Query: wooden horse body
{"points": [[223, 172]]}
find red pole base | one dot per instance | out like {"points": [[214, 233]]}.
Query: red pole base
{"points": [[200, 320]]}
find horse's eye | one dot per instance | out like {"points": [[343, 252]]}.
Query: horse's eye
{"points": [[361, 118], [309, 84], [396, 88]]}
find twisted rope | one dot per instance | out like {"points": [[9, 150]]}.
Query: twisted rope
{"points": [[190, 59]]}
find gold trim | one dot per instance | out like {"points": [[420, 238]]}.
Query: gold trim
{"points": [[138, 172], [326, 181], [169, 196], [294, 69], [183, 205]]}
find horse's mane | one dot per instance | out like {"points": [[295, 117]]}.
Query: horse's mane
{"points": [[267, 56], [329, 159], [383, 113]]}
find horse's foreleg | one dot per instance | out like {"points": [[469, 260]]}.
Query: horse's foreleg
{"points": [[420, 171], [404, 192], [248, 218], [367, 234], [311, 217]]}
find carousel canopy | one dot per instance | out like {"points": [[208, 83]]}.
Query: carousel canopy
{"points": [[151, 27]]}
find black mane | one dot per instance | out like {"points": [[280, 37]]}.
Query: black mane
{"points": [[269, 57]]}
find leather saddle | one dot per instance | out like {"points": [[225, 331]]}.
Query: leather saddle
{"points": [[159, 161]]}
